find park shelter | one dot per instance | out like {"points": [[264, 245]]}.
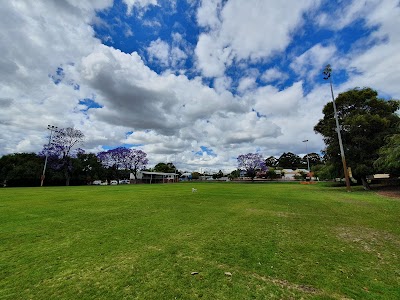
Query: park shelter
{"points": [[154, 177]]}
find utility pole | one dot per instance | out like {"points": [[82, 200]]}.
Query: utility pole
{"points": [[51, 128], [308, 161], [327, 73]]}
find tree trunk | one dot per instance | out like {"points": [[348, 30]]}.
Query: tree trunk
{"points": [[134, 174], [66, 178], [66, 163], [365, 183]]}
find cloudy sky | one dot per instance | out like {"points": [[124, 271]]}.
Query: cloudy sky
{"points": [[193, 82]]}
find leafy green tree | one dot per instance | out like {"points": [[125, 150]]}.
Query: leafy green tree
{"points": [[271, 161], [389, 156], [220, 174], [289, 160], [271, 174], [87, 167], [365, 121], [195, 175], [300, 176], [20, 169], [234, 174], [164, 167], [313, 158], [324, 172], [217, 175]]}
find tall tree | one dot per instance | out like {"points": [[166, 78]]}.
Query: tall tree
{"points": [[289, 160], [220, 174], [195, 175], [136, 161], [389, 156], [165, 167], [65, 147], [122, 158], [114, 161], [251, 163], [313, 158], [271, 161], [365, 121], [234, 174], [87, 167], [20, 169]]}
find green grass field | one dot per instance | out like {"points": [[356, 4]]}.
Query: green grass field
{"points": [[277, 241]]}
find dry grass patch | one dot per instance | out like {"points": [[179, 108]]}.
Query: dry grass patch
{"points": [[370, 240]]}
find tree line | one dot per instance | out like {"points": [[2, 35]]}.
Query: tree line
{"points": [[255, 165], [289, 160], [62, 162], [370, 130]]}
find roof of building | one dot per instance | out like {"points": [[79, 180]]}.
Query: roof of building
{"points": [[296, 171], [186, 174], [159, 173]]}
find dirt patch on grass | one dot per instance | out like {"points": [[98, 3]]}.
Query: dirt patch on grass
{"points": [[256, 211], [392, 191], [306, 289], [286, 284], [369, 240], [282, 214], [356, 202]]}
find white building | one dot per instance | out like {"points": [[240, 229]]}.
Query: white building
{"points": [[289, 174], [154, 177]]}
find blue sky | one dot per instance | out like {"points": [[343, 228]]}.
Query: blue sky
{"points": [[193, 82], [136, 32]]}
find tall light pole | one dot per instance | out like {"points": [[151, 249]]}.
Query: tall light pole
{"points": [[51, 128], [308, 161], [327, 73]]}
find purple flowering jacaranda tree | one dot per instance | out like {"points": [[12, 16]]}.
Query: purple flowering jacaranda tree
{"points": [[124, 158], [136, 160], [114, 158], [251, 163], [63, 148]]}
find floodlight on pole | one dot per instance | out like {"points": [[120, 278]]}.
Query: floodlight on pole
{"points": [[51, 128], [327, 72], [308, 161]]}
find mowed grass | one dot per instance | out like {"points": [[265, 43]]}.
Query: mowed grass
{"points": [[277, 241]]}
